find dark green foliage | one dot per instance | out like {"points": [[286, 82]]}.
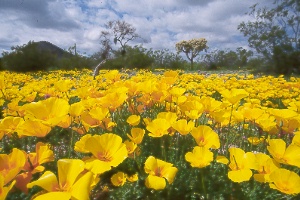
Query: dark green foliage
{"points": [[28, 58], [130, 58], [227, 58], [1, 64], [39, 56], [164, 59], [274, 34], [286, 60]]}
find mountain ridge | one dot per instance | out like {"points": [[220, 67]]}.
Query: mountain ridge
{"points": [[53, 49]]}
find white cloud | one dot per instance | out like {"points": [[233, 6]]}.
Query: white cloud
{"points": [[160, 23]]}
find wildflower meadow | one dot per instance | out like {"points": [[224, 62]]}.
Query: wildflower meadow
{"points": [[148, 135]]}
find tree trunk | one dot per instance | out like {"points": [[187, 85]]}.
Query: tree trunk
{"points": [[97, 68]]}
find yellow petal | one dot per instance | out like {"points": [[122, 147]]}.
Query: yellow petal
{"points": [[81, 189], [97, 166], [80, 145], [150, 164], [240, 175], [68, 170], [155, 182], [200, 157], [222, 159], [48, 181], [54, 195], [118, 179], [292, 155]]}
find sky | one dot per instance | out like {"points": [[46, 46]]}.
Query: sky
{"points": [[159, 23]]}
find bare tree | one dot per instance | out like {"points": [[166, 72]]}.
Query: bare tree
{"points": [[121, 33]]}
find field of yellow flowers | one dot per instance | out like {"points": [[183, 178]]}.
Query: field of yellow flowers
{"points": [[142, 135]]}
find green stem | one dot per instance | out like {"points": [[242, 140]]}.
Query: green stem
{"points": [[71, 143], [203, 184]]}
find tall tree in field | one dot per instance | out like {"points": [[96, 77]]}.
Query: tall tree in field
{"points": [[275, 33], [120, 32], [117, 32], [191, 48]]}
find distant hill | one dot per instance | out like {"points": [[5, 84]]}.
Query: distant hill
{"points": [[53, 49]]}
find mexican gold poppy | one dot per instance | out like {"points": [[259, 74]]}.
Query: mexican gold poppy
{"points": [[50, 111], [72, 181], [255, 140], [158, 127], [285, 181], [200, 157], [118, 179], [76, 109], [12, 164], [33, 165], [169, 116], [206, 137], [107, 150], [10, 124], [5, 189], [266, 166], [137, 135], [131, 146], [133, 120], [33, 128], [290, 155], [183, 127], [159, 171], [241, 164], [235, 95]]}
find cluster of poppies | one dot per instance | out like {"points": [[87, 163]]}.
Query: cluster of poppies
{"points": [[249, 124]]}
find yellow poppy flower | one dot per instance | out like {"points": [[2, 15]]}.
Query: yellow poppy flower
{"points": [[80, 145], [133, 120], [99, 113], [210, 104], [118, 179], [285, 181], [137, 135], [267, 124], [10, 125], [33, 128], [107, 150], [50, 111], [33, 165], [88, 121], [241, 164], [158, 171], [255, 140], [76, 109], [131, 146], [133, 178], [72, 181], [266, 166], [296, 139], [158, 127], [235, 95], [206, 137], [183, 127], [169, 116], [200, 157], [290, 155], [42, 154], [5, 189], [177, 91], [252, 114], [12, 164], [222, 159]]}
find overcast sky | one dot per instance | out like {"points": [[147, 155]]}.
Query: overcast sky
{"points": [[161, 23]]}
